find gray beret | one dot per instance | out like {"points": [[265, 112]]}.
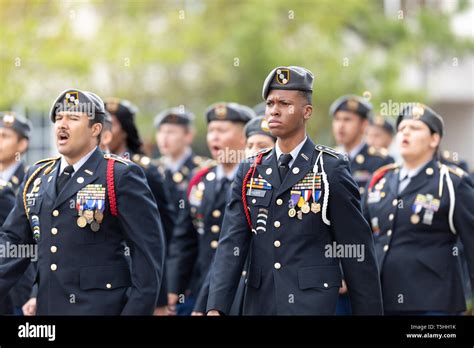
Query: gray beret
{"points": [[258, 125], [353, 103], [17, 122], [289, 78], [418, 111], [176, 115], [229, 112], [80, 101]]}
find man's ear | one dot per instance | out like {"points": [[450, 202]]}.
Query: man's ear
{"points": [[307, 111], [22, 145], [96, 129]]}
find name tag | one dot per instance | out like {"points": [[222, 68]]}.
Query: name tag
{"points": [[256, 193]]}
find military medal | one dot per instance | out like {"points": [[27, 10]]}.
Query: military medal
{"points": [[315, 207], [292, 212], [81, 221], [306, 196], [415, 219], [95, 226], [305, 208]]}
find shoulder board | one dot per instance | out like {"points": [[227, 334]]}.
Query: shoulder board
{"points": [[116, 158], [373, 151], [3, 183], [328, 150], [51, 159], [456, 171], [141, 160], [263, 151], [379, 173]]}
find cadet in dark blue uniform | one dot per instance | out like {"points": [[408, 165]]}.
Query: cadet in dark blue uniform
{"points": [[177, 163], [94, 256], [7, 200], [351, 116], [198, 226], [417, 211], [15, 132], [14, 137], [288, 207], [380, 133], [126, 142]]}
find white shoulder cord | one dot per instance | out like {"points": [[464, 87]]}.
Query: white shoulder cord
{"points": [[326, 187], [452, 197]]}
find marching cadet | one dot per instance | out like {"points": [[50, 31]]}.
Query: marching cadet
{"points": [[351, 116], [417, 211], [94, 256], [258, 136], [15, 133], [293, 202], [198, 226], [126, 142], [178, 163], [7, 200], [14, 137], [380, 133]]}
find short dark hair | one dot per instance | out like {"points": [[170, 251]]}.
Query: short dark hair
{"points": [[93, 121], [308, 96]]}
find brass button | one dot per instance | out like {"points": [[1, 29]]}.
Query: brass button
{"points": [[394, 202], [215, 228], [254, 201], [216, 213], [385, 247], [55, 212], [429, 171], [382, 194], [54, 231], [54, 267], [361, 190], [326, 285], [279, 201], [108, 286], [391, 216], [277, 224], [54, 248], [244, 273], [277, 265], [277, 243], [389, 233], [214, 244]]}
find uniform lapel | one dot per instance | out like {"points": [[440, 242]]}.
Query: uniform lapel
{"points": [[420, 179], [51, 181], [76, 183], [300, 167], [269, 169]]}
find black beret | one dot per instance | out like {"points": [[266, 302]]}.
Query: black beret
{"points": [[176, 115], [229, 112], [80, 101], [17, 122], [418, 111], [258, 125], [260, 108], [290, 78], [125, 113], [353, 103], [383, 123]]}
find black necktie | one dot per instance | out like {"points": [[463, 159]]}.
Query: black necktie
{"points": [[225, 188], [283, 164], [64, 178]]}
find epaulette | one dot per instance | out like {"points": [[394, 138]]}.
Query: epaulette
{"points": [[142, 160], [44, 160], [263, 152], [198, 160], [373, 151], [379, 173], [456, 171], [108, 156], [328, 150]]}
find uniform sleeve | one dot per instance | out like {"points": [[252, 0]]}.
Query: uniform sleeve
{"points": [[201, 299], [350, 228], [140, 222], [15, 231], [464, 222], [182, 252], [232, 251]]}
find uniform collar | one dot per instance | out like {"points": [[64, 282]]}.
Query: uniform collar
{"points": [[412, 172], [356, 150], [7, 173], [78, 164], [220, 174], [294, 153], [174, 166]]}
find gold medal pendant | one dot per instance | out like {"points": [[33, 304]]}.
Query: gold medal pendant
{"points": [[415, 219], [305, 208], [99, 216], [95, 226], [81, 221], [292, 212], [315, 207]]}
